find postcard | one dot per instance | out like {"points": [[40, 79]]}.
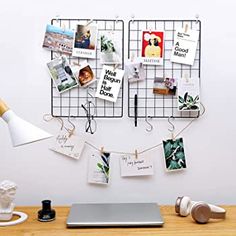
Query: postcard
{"points": [[174, 154], [99, 168], [164, 86], [132, 166], [111, 44], [152, 50], [134, 71], [61, 74], [185, 45], [85, 41], [58, 39], [188, 94], [109, 84]]}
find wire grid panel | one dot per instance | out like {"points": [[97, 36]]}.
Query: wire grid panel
{"points": [[149, 104], [68, 104]]}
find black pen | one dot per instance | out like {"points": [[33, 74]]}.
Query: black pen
{"points": [[135, 110]]}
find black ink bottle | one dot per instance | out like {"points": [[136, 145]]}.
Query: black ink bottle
{"points": [[46, 214]]}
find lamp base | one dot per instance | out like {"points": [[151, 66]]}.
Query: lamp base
{"points": [[23, 217]]}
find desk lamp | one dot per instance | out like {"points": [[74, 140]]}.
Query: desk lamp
{"points": [[21, 132]]}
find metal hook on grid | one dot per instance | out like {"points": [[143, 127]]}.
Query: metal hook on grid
{"points": [[116, 17], [132, 18], [197, 18], [91, 124], [150, 125], [57, 17], [172, 127]]}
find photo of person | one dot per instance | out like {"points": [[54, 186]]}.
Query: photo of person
{"points": [[152, 47], [61, 74], [164, 86], [85, 41], [58, 40], [85, 75]]}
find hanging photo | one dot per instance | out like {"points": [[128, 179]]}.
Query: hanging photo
{"points": [[152, 47], [99, 168], [58, 39], [85, 41], [164, 86], [134, 71], [111, 47], [84, 74], [71, 146], [61, 74], [174, 154], [185, 45], [109, 84], [132, 166], [188, 94]]}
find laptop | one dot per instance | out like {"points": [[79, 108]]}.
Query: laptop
{"points": [[114, 215]]}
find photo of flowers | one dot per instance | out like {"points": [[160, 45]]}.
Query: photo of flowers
{"points": [[164, 86], [110, 48], [85, 41], [174, 154], [58, 39], [61, 74], [152, 47]]}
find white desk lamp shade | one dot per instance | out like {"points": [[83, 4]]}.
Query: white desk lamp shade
{"points": [[21, 131]]}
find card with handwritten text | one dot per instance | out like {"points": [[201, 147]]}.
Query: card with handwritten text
{"points": [[132, 166]]}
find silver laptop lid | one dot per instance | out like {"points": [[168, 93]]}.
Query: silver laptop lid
{"points": [[114, 214]]}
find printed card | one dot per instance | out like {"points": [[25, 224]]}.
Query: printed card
{"points": [[185, 45], [109, 84], [69, 146], [85, 41], [152, 47], [188, 94], [134, 71], [164, 86], [132, 166], [99, 168], [111, 47], [174, 154], [61, 74], [58, 39]]}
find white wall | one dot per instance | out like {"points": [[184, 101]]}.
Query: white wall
{"points": [[209, 142]]}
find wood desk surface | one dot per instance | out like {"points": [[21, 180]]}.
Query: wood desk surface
{"points": [[174, 225]]}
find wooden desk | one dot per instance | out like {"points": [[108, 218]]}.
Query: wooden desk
{"points": [[174, 225]]}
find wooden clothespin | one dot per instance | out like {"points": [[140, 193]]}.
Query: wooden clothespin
{"points": [[115, 67], [89, 22], [102, 151], [186, 78], [186, 28], [136, 154]]}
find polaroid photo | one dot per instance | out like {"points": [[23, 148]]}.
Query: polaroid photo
{"points": [[134, 71], [61, 74], [164, 86], [85, 41], [189, 94], [152, 50], [111, 44], [99, 168], [174, 154], [185, 46], [84, 74], [58, 39], [109, 83]]}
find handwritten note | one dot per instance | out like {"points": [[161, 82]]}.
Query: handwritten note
{"points": [[70, 146], [132, 166]]}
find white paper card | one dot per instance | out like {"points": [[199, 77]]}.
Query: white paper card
{"points": [[132, 166], [188, 94], [109, 84], [185, 45], [99, 168], [69, 146]]}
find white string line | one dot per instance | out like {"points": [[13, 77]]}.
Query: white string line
{"points": [[153, 147]]}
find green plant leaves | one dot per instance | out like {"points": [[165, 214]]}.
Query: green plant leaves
{"points": [[188, 102]]}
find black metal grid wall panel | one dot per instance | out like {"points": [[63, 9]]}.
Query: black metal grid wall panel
{"points": [[68, 104], [149, 104]]}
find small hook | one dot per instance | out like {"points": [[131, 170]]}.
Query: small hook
{"points": [[150, 125], [172, 125], [132, 18], [197, 18], [116, 16]]}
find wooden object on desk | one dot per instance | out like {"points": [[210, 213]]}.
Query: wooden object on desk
{"points": [[174, 225]]}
